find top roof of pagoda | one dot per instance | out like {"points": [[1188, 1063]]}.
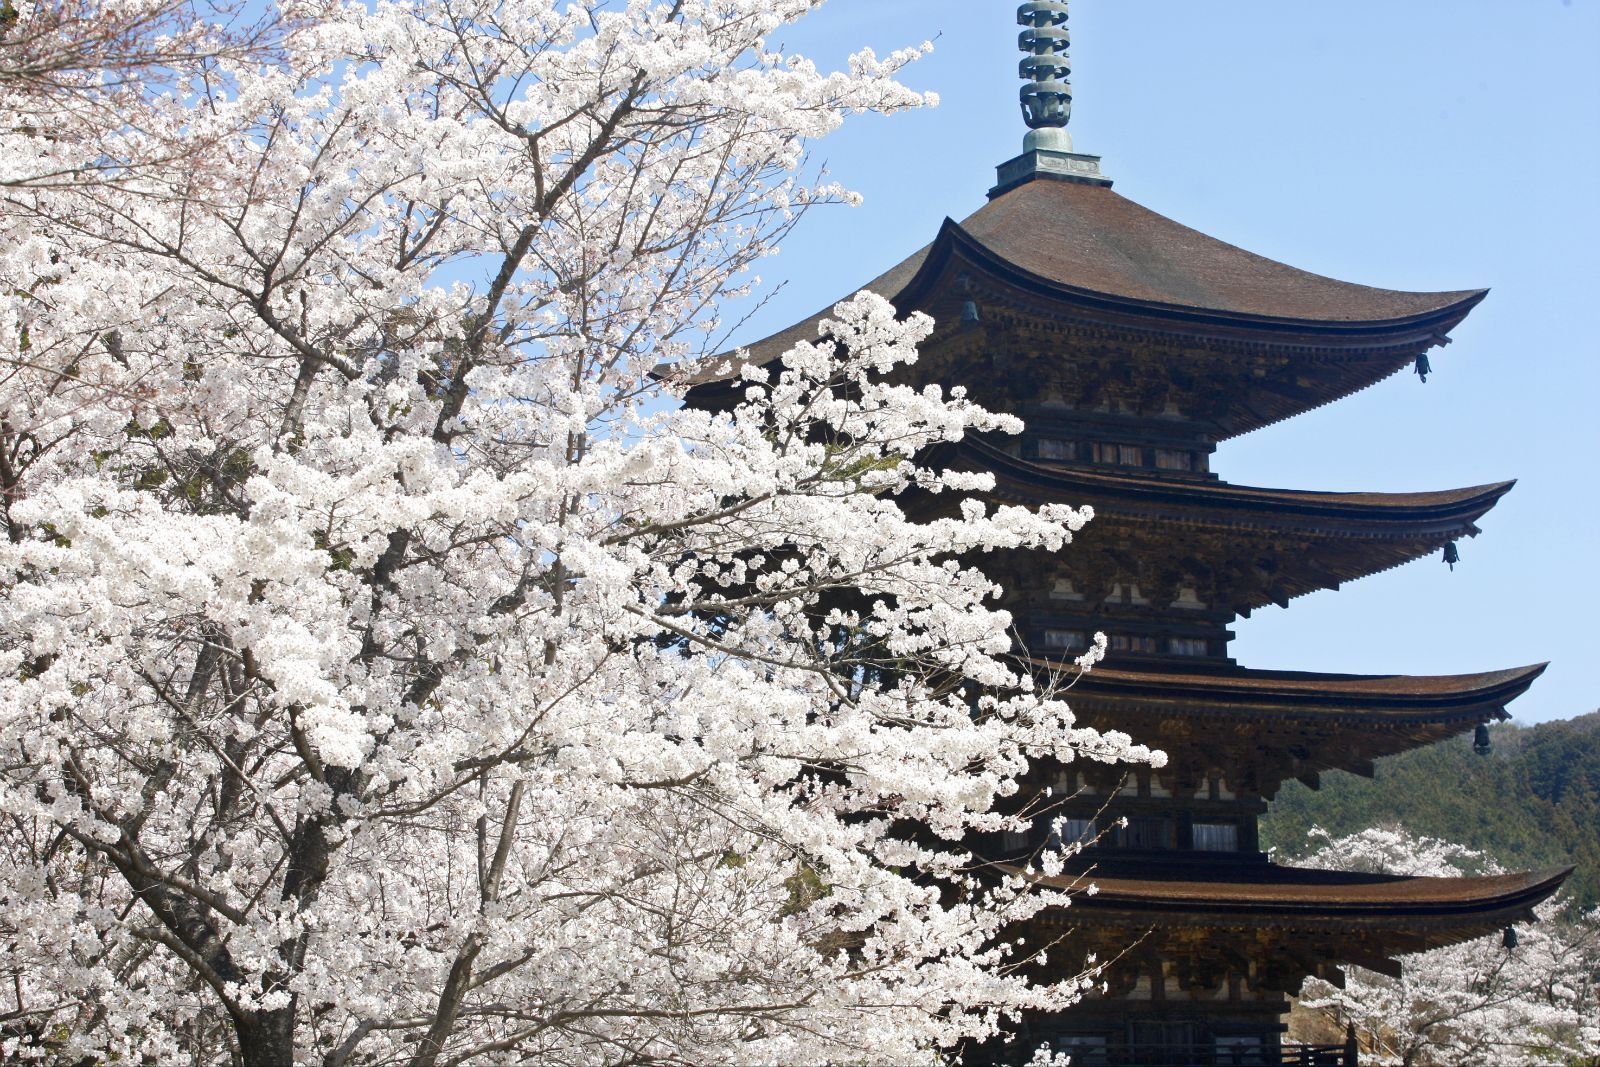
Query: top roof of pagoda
{"points": [[1081, 244], [1087, 237]]}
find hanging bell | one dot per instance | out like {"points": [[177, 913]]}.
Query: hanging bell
{"points": [[969, 315], [1480, 740], [1510, 938], [1424, 368], [1452, 554]]}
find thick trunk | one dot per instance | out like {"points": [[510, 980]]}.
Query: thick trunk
{"points": [[267, 1039]]}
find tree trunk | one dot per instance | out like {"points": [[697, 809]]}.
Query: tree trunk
{"points": [[267, 1039]]}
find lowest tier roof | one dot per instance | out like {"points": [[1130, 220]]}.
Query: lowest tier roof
{"points": [[1305, 920], [1435, 910]]}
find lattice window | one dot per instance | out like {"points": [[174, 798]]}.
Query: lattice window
{"points": [[1148, 832], [1122, 455], [1012, 841], [1066, 640], [1216, 837], [1055, 448], [1072, 831], [1171, 459], [1133, 643]]}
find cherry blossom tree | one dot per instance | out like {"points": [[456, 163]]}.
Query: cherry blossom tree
{"points": [[1536, 1001], [391, 668], [78, 75]]}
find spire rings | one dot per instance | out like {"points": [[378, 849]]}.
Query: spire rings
{"points": [[1044, 68], [1047, 96], [1043, 13], [1045, 40]]}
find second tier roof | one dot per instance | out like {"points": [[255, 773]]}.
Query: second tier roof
{"points": [[1276, 544]]}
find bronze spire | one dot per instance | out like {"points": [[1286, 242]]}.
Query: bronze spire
{"points": [[1047, 98]]}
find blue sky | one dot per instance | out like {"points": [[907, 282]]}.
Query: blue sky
{"points": [[1410, 144]]}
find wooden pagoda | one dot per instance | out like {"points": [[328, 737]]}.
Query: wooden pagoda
{"points": [[1130, 346]]}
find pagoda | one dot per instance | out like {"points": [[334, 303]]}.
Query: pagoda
{"points": [[1130, 346]]}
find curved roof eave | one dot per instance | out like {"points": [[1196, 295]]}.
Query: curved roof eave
{"points": [[1451, 506], [1321, 895], [1398, 696], [1379, 329], [1093, 251], [1089, 239], [724, 367]]}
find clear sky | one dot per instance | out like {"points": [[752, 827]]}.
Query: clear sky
{"points": [[1409, 144]]}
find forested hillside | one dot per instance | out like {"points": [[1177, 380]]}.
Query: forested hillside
{"points": [[1533, 802]]}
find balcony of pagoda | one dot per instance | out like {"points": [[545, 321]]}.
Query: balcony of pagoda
{"points": [[1131, 813], [1165, 446], [1225, 1053]]}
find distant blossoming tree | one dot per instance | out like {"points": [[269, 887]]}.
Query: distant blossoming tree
{"points": [[390, 670], [1534, 1002]]}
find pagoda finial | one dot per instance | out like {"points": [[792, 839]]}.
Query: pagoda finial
{"points": [[1047, 96], [1046, 104]]}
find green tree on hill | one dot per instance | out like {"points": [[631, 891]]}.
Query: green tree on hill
{"points": [[1533, 802]]}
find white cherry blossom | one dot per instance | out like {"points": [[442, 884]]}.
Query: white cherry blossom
{"points": [[392, 669]]}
